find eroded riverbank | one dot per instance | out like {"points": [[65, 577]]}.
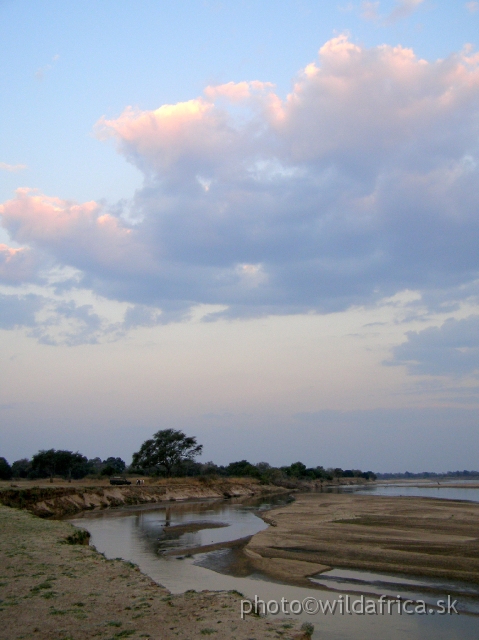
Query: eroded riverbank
{"points": [[60, 498], [57, 501]]}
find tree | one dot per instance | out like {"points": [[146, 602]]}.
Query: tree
{"points": [[5, 470], [49, 462], [21, 468], [167, 450], [113, 466], [241, 469], [295, 470]]}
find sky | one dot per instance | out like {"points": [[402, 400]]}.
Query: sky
{"points": [[257, 223]]}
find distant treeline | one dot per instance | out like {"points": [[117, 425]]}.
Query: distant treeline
{"points": [[264, 471], [66, 464], [428, 474], [73, 465]]}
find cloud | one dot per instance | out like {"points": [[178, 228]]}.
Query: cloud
{"points": [[141, 315], [403, 9], [40, 72], [69, 324], [369, 10], [451, 349], [18, 311], [360, 183], [53, 321], [17, 265], [12, 168], [472, 7], [83, 236]]}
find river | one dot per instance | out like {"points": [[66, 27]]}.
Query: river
{"points": [[158, 538]]}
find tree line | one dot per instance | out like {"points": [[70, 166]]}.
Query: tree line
{"points": [[60, 463], [424, 475], [169, 453]]}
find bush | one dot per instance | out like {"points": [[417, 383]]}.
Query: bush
{"points": [[307, 628], [82, 536]]}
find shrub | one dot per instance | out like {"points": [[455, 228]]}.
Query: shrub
{"points": [[81, 536]]}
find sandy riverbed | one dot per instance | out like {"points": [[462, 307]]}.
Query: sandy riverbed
{"points": [[416, 536]]}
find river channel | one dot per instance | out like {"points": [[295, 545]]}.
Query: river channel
{"points": [[163, 540]]}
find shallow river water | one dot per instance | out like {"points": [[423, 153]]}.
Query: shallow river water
{"points": [[442, 491], [157, 539]]}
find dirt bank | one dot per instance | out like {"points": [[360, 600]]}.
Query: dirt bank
{"points": [[416, 536], [50, 590], [62, 500]]}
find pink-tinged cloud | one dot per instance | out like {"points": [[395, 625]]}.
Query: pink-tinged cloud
{"points": [[372, 103], [16, 265], [238, 91], [191, 130], [75, 234], [12, 168], [353, 101], [199, 137]]}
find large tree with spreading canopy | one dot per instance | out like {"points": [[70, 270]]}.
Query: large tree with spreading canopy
{"points": [[167, 450]]}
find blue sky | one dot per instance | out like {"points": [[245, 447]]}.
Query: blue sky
{"points": [[221, 230]]}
